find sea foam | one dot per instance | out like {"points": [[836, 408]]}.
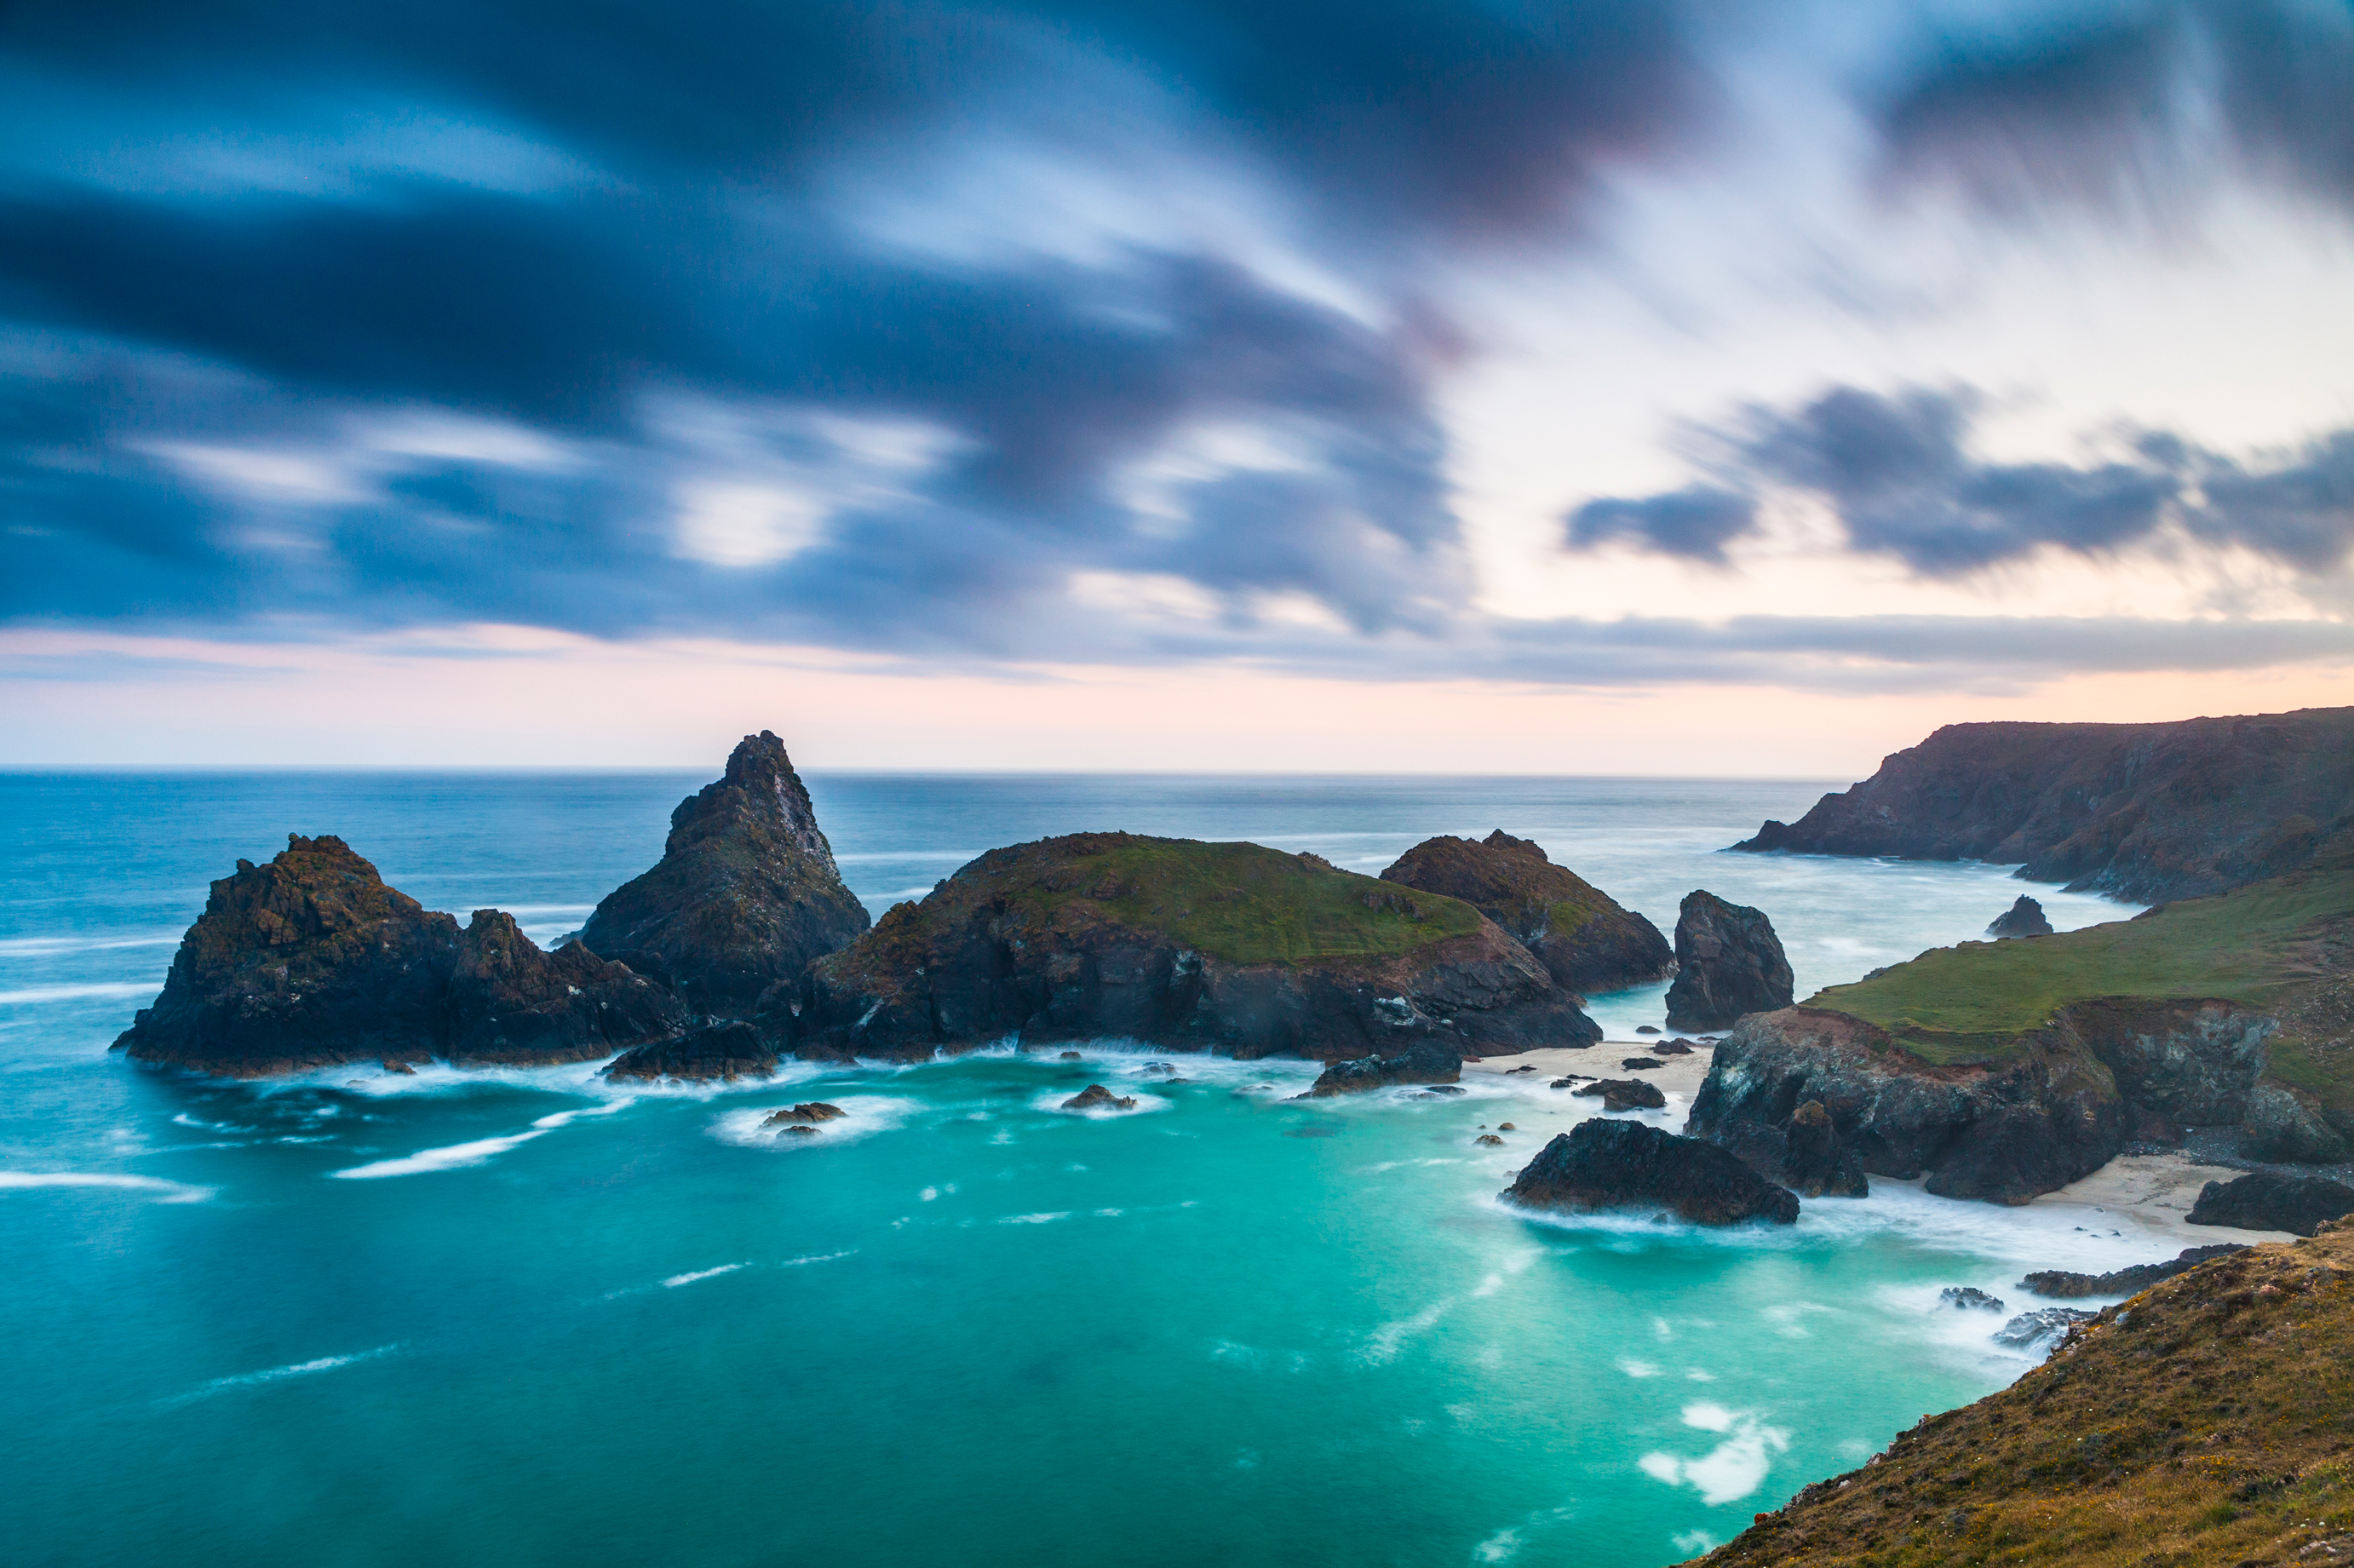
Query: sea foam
{"points": [[165, 1192], [459, 1156]]}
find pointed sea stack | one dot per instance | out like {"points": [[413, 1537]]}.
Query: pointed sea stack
{"points": [[2024, 918], [509, 1004], [1587, 940], [1728, 963], [747, 892], [306, 962]]}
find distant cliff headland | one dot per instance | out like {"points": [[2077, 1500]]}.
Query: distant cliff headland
{"points": [[2142, 811]]}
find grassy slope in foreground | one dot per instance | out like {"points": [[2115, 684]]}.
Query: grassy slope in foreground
{"points": [[2205, 1422], [2263, 945], [1243, 903]]}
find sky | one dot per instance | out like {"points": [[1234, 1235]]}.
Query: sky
{"points": [[1730, 387]]}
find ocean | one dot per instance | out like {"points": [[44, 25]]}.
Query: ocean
{"points": [[521, 1316]]}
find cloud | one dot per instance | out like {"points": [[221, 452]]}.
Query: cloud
{"points": [[1897, 471], [2131, 110]]}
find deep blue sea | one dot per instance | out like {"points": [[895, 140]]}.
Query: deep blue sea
{"points": [[521, 1317]]}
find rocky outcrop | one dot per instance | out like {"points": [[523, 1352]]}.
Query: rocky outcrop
{"points": [[1728, 963], [808, 1113], [508, 1004], [1624, 1095], [1585, 938], [1095, 1097], [1232, 948], [1968, 1298], [2052, 1105], [745, 896], [2065, 1285], [2262, 1201], [731, 1048], [2025, 918], [1425, 1061], [309, 961], [2142, 811], [1816, 1161], [2044, 1326], [2287, 1124], [1602, 1164]]}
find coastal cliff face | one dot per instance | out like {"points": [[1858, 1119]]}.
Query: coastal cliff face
{"points": [[1587, 940], [312, 960], [746, 893], [1728, 962], [305, 962], [2203, 1422], [2141, 811], [2057, 1104], [1227, 947]]}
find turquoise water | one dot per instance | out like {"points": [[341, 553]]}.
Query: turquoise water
{"points": [[519, 1316]]}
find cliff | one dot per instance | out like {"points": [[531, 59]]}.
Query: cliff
{"points": [[1227, 947], [2140, 812], [2203, 1422], [1587, 940], [746, 893], [312, 960]]}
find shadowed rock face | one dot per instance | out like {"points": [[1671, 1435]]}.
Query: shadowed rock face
{"points": [[306, 962], [745, 894], [1603, 1164], [1426, 1062], [2262, 1202], [1816, 1161], [2024, 918], [1585, 940], [2055, 1106], [510, 1003], [1624, 1093], [1231, 947], [2066, 1285], [1728, 963], [2145, 812], [312, 960], [724, 1050]]}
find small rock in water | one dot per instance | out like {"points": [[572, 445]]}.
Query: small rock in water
{"points": [[1626, 1093], [1158, 1067], [1445, 1088], [813, 1111], [2031, 1329], [1521, 1069], [798, 1130], [1506, 1127], [1095, 1097], [1968, 1297], [1641, 1064], [1070, 1057], [1489, 1138], [403, 1068], [1645, 1029], [1573, 1078]]}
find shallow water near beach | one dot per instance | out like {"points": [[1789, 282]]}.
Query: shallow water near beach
{"points": [[523, 1317]]}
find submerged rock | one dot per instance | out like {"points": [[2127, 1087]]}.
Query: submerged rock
{"points": [[1604, 1164], [1489, 1138], [309, 961], [720, 1050], [2024, 918], [1625, 1094], [509, 1003], [1232, 948], [1427, 1062], [746, 893], [2064, 1284], [1095, 1097], [2045, 1324], [1585, 938], [1728, 963], [2262, 1201], [1968, 1298]]}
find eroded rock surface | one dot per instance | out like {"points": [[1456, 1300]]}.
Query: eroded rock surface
{"points": [[1427, 1062], [2262, 1201], [1624, 1093], [1095, 1097], [746, 893], [730, 1049], [2024, 918], [508, 1004], [1603, 1164], [2064, 1284], [1729, 963], [1585, 938]]}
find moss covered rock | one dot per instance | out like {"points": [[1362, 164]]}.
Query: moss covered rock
{"points": [[1587, 940]]}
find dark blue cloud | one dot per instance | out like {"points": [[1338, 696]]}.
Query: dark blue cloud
{"points": [[1696, 522]]}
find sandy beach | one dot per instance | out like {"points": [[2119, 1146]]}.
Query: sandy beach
{"points": [[1679, 1077]]}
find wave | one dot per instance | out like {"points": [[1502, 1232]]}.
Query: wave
{"points": [[167, 1191], [45, 947], [676, 1280], [35, 995], [459, 1156], [277, 1374]]}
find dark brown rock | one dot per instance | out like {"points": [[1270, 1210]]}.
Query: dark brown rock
{"points": [[508, 1004], [811, 1111], [1816, 1161], [2145, 812], [1604, 1164], [720, 1050], [745, 894], [1095, 1097], [1728, 963], [1425, 1061], [2262, 1201], [2065, 1286], [2024, 918], [309, 961], [1585, 938], [1676, 1047], [1625, 1094]]}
